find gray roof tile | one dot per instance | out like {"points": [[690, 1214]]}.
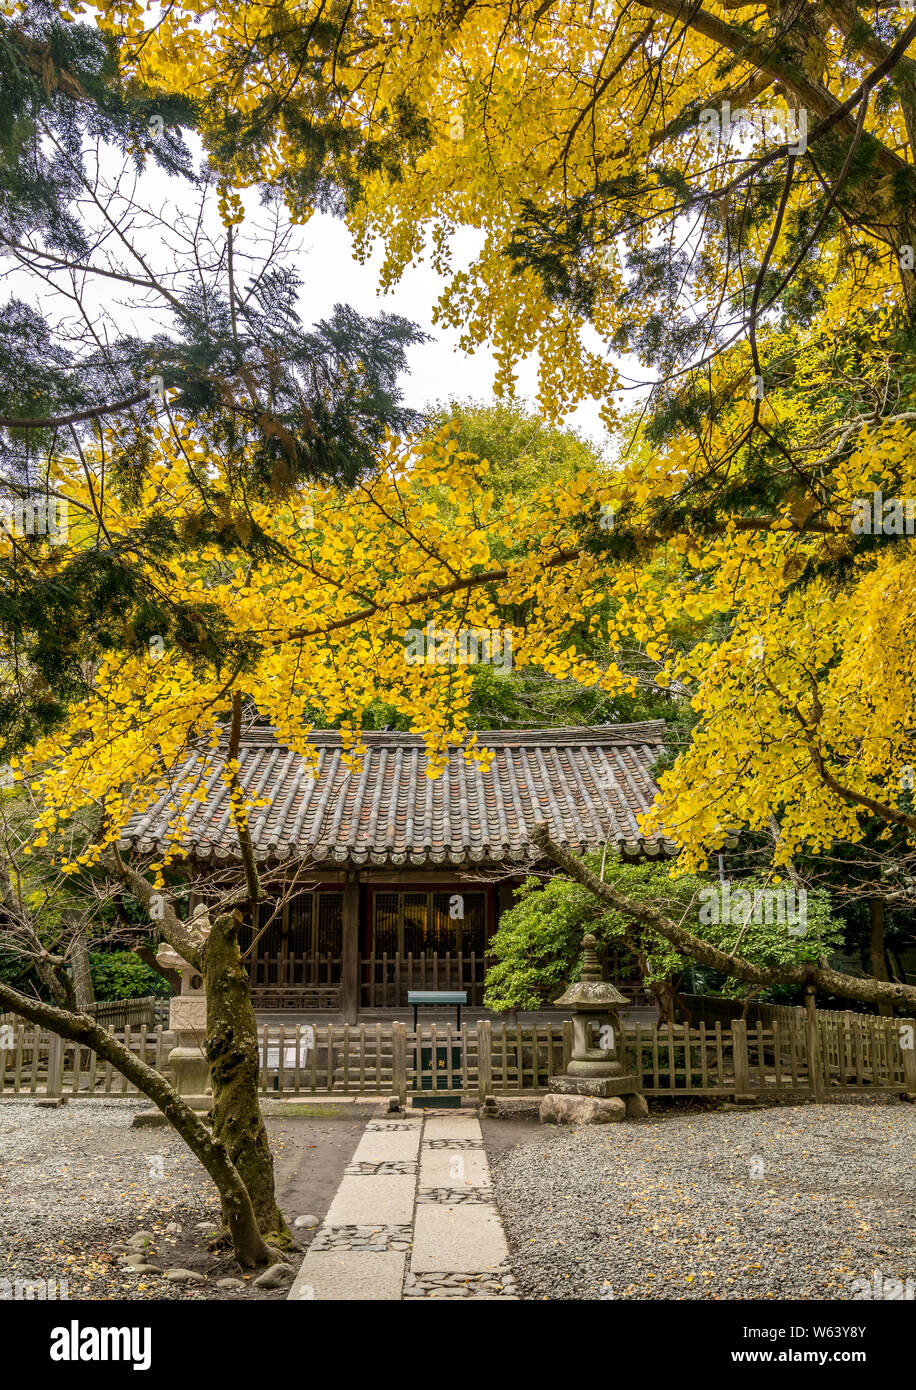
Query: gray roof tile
{"points": [[389, 812]]}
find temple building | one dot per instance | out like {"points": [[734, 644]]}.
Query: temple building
{"points": [[385, 880]]}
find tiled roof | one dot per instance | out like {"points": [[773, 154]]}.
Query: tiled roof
{"points": [[588, 784]]}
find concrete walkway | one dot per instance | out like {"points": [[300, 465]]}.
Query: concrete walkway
{"points": [[414, 1217]]}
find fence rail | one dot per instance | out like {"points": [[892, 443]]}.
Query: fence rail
{"points": [[37, 1063], [119, 1013], [313, 980], [839, 1053], [385, 979]]}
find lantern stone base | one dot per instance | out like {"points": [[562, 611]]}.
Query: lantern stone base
{"points": [[592, 1100], [598, 1086], [581, 1110], [192, 1074]]}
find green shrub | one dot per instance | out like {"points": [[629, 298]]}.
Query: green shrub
{"points": [[123, 975], [538, 943], [537, 946]]}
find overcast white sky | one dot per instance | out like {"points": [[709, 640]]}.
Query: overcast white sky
{"points": [[439, 370], [153, 208]]}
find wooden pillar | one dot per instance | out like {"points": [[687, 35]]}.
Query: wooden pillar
{"points": [[813, 1044], [740, 1057], [54, 1085], [810, 995], [906, 1038], [484, 1060], [505, 899], [399, 1062], [284, 965], [349, 962]]}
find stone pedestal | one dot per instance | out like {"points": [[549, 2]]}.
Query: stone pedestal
{"points": [[188, 1021], [599, 1087], [582, 1102]]}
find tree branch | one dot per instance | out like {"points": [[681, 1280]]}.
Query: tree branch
{"points": [[870, 991], [12, 422], [82, 1029], [240, 820], [171, 925]]}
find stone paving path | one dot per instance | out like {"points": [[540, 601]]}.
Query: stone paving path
{"points": [[414, 1217]]}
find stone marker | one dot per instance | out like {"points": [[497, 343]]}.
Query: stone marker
{"points": [[582, 1110], [140, 1240], [277, 1277]]}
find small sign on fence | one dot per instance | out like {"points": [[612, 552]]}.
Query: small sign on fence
{"points": [[306, 1045]]}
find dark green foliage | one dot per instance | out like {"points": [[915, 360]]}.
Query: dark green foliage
{"points": [[334, 158], [538, 944], [16, 970], [122, 975], [703, 277], [59, 93]]}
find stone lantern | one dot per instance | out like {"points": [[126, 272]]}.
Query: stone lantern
{"points": [[595, 1088], [188, 1021]]}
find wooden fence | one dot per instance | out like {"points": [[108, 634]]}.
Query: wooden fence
{"points": [[840, 1053], [385, 979], [37, 1063], [120, 1013]]}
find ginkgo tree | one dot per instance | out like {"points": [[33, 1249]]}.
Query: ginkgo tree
{"points": [[423, 548], [359, 594], [726, 193], [352, 585], [665, 176]]}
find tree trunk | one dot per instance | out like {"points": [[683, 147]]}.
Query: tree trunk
{"points": [[247, 1242], [232, 1052], [877, 957], [83, 992], [665, 999]]}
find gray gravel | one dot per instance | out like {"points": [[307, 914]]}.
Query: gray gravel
{"points": [[77, 1181], [669, 1207]]}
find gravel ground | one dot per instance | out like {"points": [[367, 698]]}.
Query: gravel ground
{"points": [[784, 1203], [77, 1182]]}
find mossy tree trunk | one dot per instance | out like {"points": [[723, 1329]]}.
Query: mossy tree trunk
{"points": [[232, 1053]]}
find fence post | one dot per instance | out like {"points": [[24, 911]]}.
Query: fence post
{"points": [[739, 1055], [567, 1044], [399, 1062], [906, 1038], [484, 1060], [813, 1047], [55, 1066]]}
